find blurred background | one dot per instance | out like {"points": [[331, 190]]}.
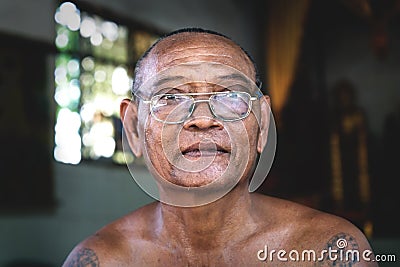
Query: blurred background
{"points": [[331, 68]]}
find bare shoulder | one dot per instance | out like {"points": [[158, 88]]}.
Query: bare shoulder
{"points": [[304, 219], [115, 243], [307, 229]]}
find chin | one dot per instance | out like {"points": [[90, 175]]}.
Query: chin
{"points": [[211, 174]]}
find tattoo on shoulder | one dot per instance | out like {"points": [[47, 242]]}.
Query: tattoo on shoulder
{"points": [[342, 250], [85, 257]]}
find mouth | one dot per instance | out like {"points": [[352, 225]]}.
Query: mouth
{"points": [[208, 149]]}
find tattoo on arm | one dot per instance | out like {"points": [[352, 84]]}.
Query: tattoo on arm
{"points": [[343, 250], [85, 257]]}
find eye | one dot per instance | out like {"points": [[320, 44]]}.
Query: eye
{"points": [[173, 90], [170, 97], [170, 100], [233, 95], [167, 100]]}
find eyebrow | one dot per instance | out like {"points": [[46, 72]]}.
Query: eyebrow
{"points": [[234, 76]]}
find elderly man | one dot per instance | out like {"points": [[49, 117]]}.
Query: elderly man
{"points": [[201, 123]]}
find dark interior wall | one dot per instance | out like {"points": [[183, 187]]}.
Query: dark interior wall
{"points": [[31, 19], [337, 45]]}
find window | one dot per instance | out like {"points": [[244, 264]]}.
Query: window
{"points": [[93, 73]]}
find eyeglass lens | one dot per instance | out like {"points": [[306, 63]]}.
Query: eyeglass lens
{"points": [[176, 108]]}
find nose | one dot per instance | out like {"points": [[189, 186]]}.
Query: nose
{"points": [[200, 122]]}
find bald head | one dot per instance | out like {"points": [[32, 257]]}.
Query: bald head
{"points": [[190, 45]]}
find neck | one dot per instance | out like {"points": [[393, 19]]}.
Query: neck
{"points": [[213, 225]]}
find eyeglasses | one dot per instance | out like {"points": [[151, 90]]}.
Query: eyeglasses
{"points": [[226, 106]]}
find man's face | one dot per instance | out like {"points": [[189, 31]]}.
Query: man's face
{"points": [[203, 149]]}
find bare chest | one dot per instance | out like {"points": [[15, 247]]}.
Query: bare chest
{"points": [[257, 252]]}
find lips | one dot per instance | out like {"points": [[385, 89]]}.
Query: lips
{"points": [[205, 149]]}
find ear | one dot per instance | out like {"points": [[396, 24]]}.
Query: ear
{"points": [[264, 123], [129, 117]]}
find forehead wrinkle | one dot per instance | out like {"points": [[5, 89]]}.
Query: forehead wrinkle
{"points": [[203, 54], [234, 76], [168, 79], [201, 48], [171, 62], [167, 53], [203, 44]]}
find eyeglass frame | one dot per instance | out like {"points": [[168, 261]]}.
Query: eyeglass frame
{"points": [[251, 98]]}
